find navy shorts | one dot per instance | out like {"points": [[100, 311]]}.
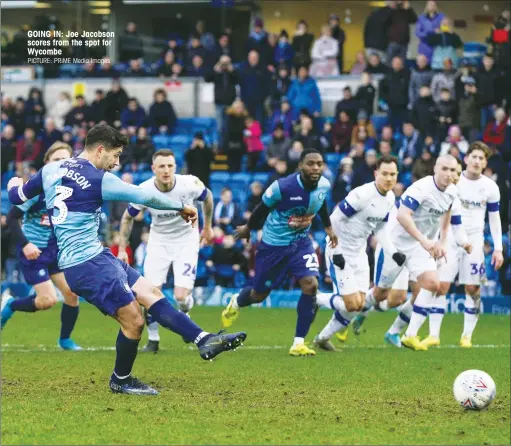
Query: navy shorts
{"points": [[39, 270], [104, 281], [275, 263]]}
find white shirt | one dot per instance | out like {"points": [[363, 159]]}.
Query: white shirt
{"points": [[429, 205], [476, 196], [167, 227], [363, 211]]}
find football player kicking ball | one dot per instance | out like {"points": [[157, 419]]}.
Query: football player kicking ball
{"points": [[477, 194], [425, 208], [289, 206], [364, 210], [38, 254], [172, 241], [75, 190]]}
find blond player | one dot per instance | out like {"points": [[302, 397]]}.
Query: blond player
{"points": [[477, 194], [172, 241]]}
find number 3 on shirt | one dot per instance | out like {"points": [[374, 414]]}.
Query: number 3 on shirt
{"points": [[63, 192], [312, 261]]}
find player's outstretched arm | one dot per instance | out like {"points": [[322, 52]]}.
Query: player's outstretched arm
{"points": [[19, 192], [125, 232]]}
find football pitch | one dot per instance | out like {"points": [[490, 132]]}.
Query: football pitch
{"points": [[367, 394]]}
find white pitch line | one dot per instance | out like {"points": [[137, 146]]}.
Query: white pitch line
{"points": [[19, 348]]}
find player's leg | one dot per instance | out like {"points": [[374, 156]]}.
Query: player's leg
{"points": [[156, 267], [393, 335], [472, 270], [429, 284], [68, 314], [270, 270], [185, 270]]}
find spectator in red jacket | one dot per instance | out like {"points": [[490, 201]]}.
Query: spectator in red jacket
{"points": [[494, 132], [28, 149], [341, 133]]}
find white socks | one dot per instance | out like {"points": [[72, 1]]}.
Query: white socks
{"points": [[436, 314], [298, 341], [332, 327], [403, 318], [186, 304], [471, 316], [369, 303], [420, 311], [152, 330]]}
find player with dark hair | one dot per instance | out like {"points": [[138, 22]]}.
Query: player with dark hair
{"points": [[75, 190], [37, 253], [288, 208]]}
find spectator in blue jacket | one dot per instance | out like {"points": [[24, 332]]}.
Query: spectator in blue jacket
{"points": [[304, 94], [133, 115], [162, 117], [254, 85], [427, 24], [283, 117], [284, 53]]}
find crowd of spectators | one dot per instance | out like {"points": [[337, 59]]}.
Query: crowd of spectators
{"points": [[439, 104]]}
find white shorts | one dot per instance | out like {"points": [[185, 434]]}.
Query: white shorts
{"points": [[418, 261], [470, 267], [353, 278], [402, 279], [182, 258]]}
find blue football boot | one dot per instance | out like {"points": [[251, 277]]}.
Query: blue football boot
{"points": [[7, 311], [69, 344], [221, 342], [131, 386]]}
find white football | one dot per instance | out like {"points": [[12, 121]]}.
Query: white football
{"points": [[474, 389]]}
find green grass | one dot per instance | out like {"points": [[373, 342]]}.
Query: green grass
{"points": [[257, 395]]}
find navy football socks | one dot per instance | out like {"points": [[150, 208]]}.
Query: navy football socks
{"points": [[306, 312], [27, 304], [167, 316], [68, 317], [244, 298], [126, 353]]}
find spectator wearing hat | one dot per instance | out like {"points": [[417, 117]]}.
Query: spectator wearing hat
{"points": [[162, 117], [400, 17], [444, 42], [423, 114], [225, 79], [365, 172], [469, 111], [278, 146], [302, 44], [255, 79], [283, 116], [348, 104], [366, 94], [325, 51], [199, 158], [428, 23], [342, 183], [304, 94], [280, 84], [258, 41], [283, 54], [420, 76], [342, 132], [339, 35], [423, 166], [490, 89], [394, 92]]}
